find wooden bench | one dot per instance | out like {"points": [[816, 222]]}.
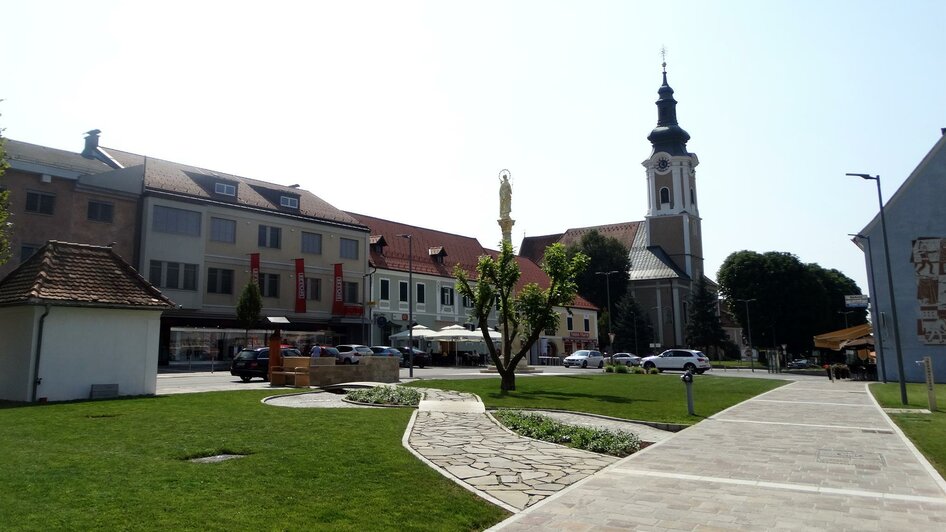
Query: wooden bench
{"points": [[293, 372]]}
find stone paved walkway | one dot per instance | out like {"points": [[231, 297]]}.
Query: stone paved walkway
{"points": [[808, 456]]}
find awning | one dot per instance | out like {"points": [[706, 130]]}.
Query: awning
{"points": [[833, 340]]}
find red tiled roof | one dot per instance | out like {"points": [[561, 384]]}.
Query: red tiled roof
{"points": [[530, 272], [79, 275], [533, 247]]}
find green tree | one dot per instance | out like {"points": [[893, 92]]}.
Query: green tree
{"points": [[793, 301], [249, 308], [703, 327], [606, 255], [632, 329], [524, 315], [5, 224]]}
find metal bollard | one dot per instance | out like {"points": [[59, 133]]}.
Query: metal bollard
{"points": [[687, 379]]}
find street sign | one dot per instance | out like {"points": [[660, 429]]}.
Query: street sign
{"points": [[856, 301]]}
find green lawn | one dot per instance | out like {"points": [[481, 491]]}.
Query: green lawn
{"points": [[118, 465], [642, 397], [925, 430]]}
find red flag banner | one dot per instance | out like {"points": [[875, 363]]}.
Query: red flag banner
{"points": [[254, 268], [300, 286], [338, 301]]}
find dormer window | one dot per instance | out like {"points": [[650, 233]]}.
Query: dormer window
{"points": [[289, 201], [225, 188], [437, 254]]}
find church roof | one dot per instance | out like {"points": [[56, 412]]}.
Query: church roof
{"points": [[62, 273], [651, 262]]}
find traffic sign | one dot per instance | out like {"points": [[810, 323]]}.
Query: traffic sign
{"points": [[856, 301]]}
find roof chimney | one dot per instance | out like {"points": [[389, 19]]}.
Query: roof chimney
{"points": [[91, 143]]}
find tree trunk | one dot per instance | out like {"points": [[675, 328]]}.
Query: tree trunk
{"points": [[508, 383]]}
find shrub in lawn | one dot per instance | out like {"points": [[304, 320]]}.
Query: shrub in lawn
{"points": [[620, 368], [386, 395], [544, 428], [637, 370], [653, 371], [609, 368]]}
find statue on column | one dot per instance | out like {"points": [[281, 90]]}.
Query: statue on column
{"points": [[505, 195]]}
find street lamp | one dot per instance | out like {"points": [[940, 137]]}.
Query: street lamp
{"points": [[410, 303], [873, 297], [607, 276], [846, 312], [749, 331], [893, 300]]}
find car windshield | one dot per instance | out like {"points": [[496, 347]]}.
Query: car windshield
{"points": [[250, 354], [581, 354]]}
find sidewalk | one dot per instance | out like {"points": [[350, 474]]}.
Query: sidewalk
{"points": [[812, 455]]}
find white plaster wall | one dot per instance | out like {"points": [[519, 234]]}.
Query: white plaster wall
{"points": [[17, 344], [85, 346]]}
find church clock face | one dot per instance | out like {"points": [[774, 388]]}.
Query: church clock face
{"points": [[663, 164]]}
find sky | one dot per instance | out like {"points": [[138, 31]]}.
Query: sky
{"points": [[409, 110]]}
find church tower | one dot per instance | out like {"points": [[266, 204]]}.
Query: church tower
{"points": [[673, 218]]}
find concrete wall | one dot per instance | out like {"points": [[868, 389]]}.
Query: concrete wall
{"points": [[85, 346], [17, 329], [324, 372]]}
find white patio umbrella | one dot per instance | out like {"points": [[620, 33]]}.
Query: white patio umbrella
{"points": [[419, 331], [458, 333]]}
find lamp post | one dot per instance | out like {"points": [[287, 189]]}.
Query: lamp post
{"points": [[845, 312], [873, 297], [893, 300], [749, 331], [410, 303], [607, 276]]}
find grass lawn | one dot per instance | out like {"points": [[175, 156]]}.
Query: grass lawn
{"points": [[925, 430], [622, 395], [119, 465]]}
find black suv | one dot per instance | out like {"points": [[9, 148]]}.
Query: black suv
{"points": [[254, 362], [421, 358]]}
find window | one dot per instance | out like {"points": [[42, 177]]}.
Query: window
{"points": [[223, 230], [225, 188], [385, 290], [175, 221], [313, 289], [219, 281], [100, 211], [421, 296], [467, 302], [289, 201], [349, 292], [446, 295], [270, 237], [568, 323], [402, 289], [269, 284], [27, 250], [587, 324], [174, 275], [664, 195], [692, 196], [349, 248], [311, 243], [39, 202]]}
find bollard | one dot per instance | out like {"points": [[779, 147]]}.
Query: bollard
{"points": [[930, 388], [687, 379]]}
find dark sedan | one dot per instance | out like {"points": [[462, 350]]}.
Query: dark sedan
{"points": [[254, 362], [421, 358]]}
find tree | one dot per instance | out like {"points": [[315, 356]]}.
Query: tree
{"points": [[632, 328], [249, 307], [522, 316], [605, 254], [5, 224], [703, 328], [793, 301]]}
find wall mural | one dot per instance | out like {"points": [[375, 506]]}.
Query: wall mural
{"points": [[929, 262]]}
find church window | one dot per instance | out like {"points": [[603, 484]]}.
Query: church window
{"points": [[692, 196], [664, 195]]}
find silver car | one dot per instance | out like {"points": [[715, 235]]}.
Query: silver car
{"points": [[584, 358], [680, 359], [628, 359]]}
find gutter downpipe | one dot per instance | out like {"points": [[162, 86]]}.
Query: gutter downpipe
{"points": [[39, 350]]}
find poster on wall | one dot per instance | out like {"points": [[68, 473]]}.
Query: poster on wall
{"points": [[929, 263]]}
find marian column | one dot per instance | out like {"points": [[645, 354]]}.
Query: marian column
{"points": [[505, 206]]}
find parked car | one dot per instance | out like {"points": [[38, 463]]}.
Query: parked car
{"points": [[584, 358], [421, 359], [254, 362], [680, 359], [384, 351], [800, 363], [323, 351], [352, 353], [628, 359]]}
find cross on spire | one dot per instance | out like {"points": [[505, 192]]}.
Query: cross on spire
{"points": [[663, 56]]}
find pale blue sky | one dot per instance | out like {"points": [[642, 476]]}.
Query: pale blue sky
{"points": [[409, 110]]}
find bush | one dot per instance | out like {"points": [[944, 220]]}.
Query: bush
{"points": [[637, 370], [620, 368], [386, 395], [544, 428], [653, 371], [609, 368]]}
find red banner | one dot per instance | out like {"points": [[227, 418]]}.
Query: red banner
{"points": [[254, 268], [338, 300], [300, 286]]}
